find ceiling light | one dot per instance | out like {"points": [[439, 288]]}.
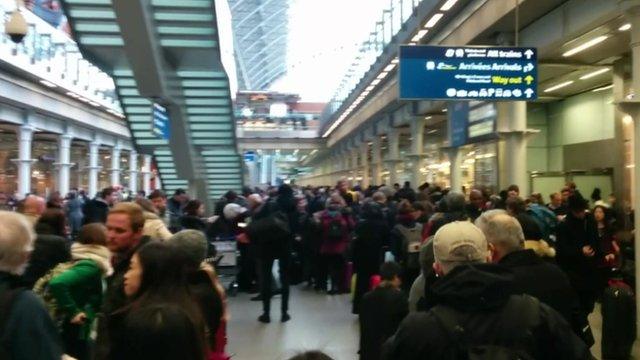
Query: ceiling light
{"points": [[448, 5], [427, 117], [382, 75], [48, 84], [603, 88], [627, 120], [434, 20], [395, 60], [586, 45], [559, 86], [444, 110], [625, 27], [389, 67], [594, 73], [375, 82], [419, 35]]}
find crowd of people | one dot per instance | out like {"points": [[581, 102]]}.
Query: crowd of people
{"points": [[433, 273]]}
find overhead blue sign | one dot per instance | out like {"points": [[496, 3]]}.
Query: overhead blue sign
{"points": [[160, 122], [468, 73], [249, 156]]}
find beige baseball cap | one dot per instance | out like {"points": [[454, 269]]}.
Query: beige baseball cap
{"points": [[459, 241]]}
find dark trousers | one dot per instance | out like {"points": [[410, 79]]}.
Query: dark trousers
{"points": [[75, 346], [363, 278], [332, 267], [247, 271], [265, 266]]}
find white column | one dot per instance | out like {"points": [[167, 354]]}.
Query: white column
{"points": [[393, 138], [24, 160], [264, 168], [146, 174], [512, 120], [417, 150], [455, 169], [64, 163], [376, 159], [93, 168], [354, 164], [133, 172], [115, 165], [274, 169], [364, 156]]}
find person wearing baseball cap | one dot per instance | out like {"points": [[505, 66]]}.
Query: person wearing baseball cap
{"points": [[473, 310]]}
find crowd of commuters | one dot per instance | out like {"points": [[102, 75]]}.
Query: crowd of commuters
{"points": [[433, 273]]}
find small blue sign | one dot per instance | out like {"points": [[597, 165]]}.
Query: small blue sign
{"points": [[249, 156], [459, 115], [160, 122], [468, 73]]}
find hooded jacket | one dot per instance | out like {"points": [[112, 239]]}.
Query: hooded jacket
{"points": [[479, 294], [155, 228]]}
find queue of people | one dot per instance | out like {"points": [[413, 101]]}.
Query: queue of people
{"points": [[433, 273]]}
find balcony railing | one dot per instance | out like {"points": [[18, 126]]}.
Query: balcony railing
{"points": [[53, 57]]}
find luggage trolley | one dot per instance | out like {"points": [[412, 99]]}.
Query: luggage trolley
{"points": [[226, 262]]}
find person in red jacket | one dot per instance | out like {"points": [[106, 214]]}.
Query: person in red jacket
{"points": [[336, 224]]}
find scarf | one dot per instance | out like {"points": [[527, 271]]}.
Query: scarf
{"points": [[99, 254]]}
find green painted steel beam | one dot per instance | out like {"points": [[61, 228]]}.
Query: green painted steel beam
{"points": [[94, 14], [185, 30], [188, 17], [199, 4], [95, 40], [93, 27], [188, 43]]}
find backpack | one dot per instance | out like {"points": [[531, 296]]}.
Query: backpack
{"points": [[335, 229], [545, 218], [518, 307], [7, 299], [41, 288], [412, 240], [270, 234]]}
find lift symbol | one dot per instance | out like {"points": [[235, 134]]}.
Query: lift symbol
{"points": [[528, 53]]}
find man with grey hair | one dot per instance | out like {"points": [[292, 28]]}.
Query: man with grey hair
{"points": [[475, 313], [532, 275], [26, 331]]}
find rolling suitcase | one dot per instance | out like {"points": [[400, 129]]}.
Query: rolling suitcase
{"points": [[618, 321]]}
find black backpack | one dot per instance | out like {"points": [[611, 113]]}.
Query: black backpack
{"points": [[335, 230], [7, 299], [518, 307]]}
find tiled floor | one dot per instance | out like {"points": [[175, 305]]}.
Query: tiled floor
{"points": [[318, 322]]}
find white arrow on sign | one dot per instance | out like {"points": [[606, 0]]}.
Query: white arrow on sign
{"points": [[528, 53], [529, 93]]}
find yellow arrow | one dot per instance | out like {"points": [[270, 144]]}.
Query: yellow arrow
{"points": [[528, 79]]}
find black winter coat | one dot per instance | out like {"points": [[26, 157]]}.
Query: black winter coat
{"points": [[29, 333], [381, 312], [547, 282], [572, 235], [95, 211], [479, 294], [371, 236]]}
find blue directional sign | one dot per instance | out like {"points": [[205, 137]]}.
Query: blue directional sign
{"points": [[160, 122], [249, 156], [468, 73]]}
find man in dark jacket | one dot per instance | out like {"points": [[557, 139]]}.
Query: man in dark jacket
{"points": [[27, 331], [532, 275], [475, 312], [382, 310], [578, 251], [49, 250], [96, 210], [271, 232], [518, 209], [124, 238]]}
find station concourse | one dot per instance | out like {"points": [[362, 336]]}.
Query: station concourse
{"points": [[266, 179]]}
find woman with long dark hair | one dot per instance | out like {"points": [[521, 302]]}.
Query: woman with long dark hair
{"points": [[608, 244], [156, 280], [192, 218]]}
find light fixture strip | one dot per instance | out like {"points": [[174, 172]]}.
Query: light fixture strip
{"points": [[593, 42], [559, 86], [594, 73], [448, 5], [434, 20]]}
